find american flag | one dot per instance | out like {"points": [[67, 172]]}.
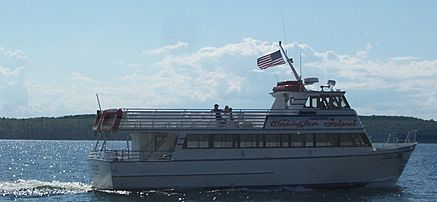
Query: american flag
{"points": [[270, 60]]}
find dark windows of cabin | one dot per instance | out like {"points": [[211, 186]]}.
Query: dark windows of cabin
{"points": [[276, 140], [251, 141], [285, 140], [297, 140], [309, 140], [327, 102], [273, 140], [197, 141], [223, 141]]}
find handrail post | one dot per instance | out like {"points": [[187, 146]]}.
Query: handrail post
{"points": [[153, 119], [182, 118], [415, 135], [407, 139]]}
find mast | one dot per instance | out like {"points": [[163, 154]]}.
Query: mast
{"points": [[289, 61]]}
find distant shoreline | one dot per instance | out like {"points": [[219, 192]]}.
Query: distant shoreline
{"points": [[79, 127]]}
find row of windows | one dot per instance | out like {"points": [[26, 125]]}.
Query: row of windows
{"points": [[327, 102], [276, 140]]}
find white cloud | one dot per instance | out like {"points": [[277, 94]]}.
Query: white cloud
{"points": [[228, 75], [13, 94], [16, 54], [81, 78], [167, 48], [408, 76], [7, 72]]}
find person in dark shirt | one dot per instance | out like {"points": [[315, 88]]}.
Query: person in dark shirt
{"points": [[230, 114], [217, 111]]}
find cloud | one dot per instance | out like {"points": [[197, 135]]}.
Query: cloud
{"points": [[13, 93], [7, 72], [17, 54], [412, 78], [166, 49], [226, 75], [407, 75], [248, 47]]}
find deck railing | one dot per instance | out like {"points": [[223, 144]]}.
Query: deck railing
{"points": [[137, 119], [396, 140]]}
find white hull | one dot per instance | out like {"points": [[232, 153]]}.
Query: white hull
{"points": [[380, 167]]}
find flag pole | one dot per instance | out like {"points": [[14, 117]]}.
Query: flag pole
{"points": [[289, 61]]}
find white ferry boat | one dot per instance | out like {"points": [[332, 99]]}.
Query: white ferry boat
{"points": [[309, 138]]}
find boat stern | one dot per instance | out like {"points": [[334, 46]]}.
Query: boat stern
{"points": [[100, 173]]}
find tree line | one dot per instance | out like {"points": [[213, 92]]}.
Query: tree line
{"points": [[79, 127]]}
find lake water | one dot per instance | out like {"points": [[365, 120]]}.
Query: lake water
{"points": [[57, 171]]}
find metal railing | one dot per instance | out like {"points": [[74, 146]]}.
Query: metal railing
{"points": [[134, 119], [397, 140]]}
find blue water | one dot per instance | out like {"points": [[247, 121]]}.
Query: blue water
{"points": [[57, 171]]}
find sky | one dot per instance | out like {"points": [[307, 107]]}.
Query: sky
{"points": [[56, 55]]}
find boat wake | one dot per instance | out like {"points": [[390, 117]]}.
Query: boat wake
{"points": [[36, 188]]}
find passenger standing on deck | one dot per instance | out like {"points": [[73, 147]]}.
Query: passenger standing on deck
{"points": [[217, 111], [226, 113]]}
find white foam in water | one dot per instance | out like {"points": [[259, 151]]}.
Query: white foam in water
{"points": [[41, 188], [119, 192]]}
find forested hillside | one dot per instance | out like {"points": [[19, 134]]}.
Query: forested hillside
{"points": [[78, 127], [379, 127]]}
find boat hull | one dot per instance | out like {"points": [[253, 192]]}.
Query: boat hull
{"points": [[376, 168]]}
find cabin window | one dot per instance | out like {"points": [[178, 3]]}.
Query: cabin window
{"points": [[309, 140], [273, 140], [192, 141], [248, 140], [354, 140], [327, 140], [197, 141], [365, 139], [311, 102], [327, 101], [344, 103], [345, 140], [285, 140], [321, 140], [223, 141], [359, 140], [276, 140], [203, 141], [297, 140], [333, 140]]}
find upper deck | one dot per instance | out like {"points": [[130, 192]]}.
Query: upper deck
{"points": [[247, 119], [294, 108]]}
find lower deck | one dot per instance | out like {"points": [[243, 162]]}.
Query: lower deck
{"points": [[169, 146], [313, 167]]}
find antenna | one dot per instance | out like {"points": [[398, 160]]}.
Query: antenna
{"points": [[98, 101], [283, 27]]}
